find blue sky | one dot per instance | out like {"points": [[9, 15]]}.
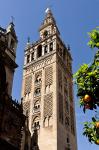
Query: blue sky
{"points": [[74, 18]]}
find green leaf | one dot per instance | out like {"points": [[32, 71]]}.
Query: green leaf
{"points": [[93, 119]]}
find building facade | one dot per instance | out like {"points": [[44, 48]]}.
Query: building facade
{"points": [[11, 112], [8, 44], [47, 90]]}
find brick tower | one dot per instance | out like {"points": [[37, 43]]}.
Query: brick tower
{"points": [[47, 90]]}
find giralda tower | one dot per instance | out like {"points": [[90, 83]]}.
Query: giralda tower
{"points": [[47, 89]]}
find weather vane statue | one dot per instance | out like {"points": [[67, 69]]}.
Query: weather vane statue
{"points": [[48, 8]]}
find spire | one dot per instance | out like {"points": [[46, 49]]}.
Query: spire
{"points": [[10, 28], [49, 21], [28, 45], [48, 18], [49, 15]]}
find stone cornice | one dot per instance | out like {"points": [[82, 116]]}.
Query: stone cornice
{"points": [[59, 60]]}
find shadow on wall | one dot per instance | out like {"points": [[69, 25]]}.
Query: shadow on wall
{"points": [[29, 142], [34, 140]]}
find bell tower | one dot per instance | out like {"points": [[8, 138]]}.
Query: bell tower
{"points": [[49, 26], [47, 89]]}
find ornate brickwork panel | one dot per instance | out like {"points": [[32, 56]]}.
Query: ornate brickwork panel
{"points": [[26, 107], [48, 75], [60, 98], [65, 82], [28, 84], [70, 91], [66, 102], [67, 121], [61, 63], [60, 79], [72, 120], [66, 109], [69, 63], [48, 105], [36, 99]]}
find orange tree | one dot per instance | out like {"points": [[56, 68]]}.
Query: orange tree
{"points": [[87, 81]]}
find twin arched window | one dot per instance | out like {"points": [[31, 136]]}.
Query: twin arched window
{"points": [[38, 79], [36, 123], [36, 105], [45, 33], [37, 91]]}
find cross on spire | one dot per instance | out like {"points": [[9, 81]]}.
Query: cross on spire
{"points": [[28, 39], [12, 19]]}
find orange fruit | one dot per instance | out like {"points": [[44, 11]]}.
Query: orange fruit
{"points": [[87, 98], [97, 142], [97, 44], [97, 124]]}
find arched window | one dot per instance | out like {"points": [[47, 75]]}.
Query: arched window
{"points": [[37, 92], [45, 49], [51, 46], [38, 79], [36, 123], [45, 33], [39, 51], [12, 44], [32, 56], [58, 47], [28, 58], [36, 105]]}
